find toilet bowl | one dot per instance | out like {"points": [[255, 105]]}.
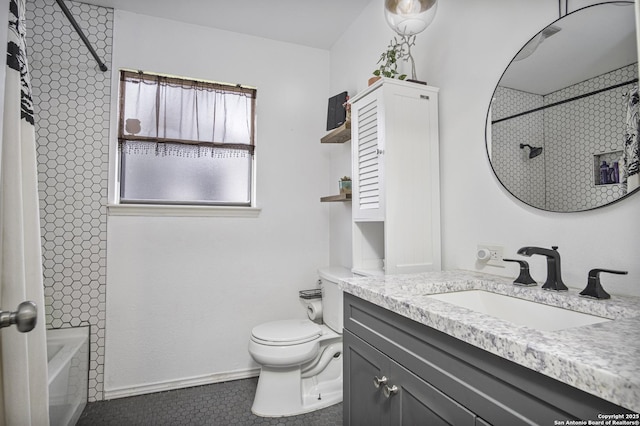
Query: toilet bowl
{"points": [[301, 360], [289, 342]]}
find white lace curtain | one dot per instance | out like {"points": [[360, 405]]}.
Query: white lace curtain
{"points": [[185, 117]]}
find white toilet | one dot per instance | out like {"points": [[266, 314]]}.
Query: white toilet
{"points": [[301, 360]]}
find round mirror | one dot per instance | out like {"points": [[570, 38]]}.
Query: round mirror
{"points": [[562, 126]]}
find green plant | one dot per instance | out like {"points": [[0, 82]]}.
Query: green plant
{"points": [[388, 62], [398, 49], [345, 178]]}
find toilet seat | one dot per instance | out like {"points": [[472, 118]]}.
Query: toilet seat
{"points": [[286, 332]]}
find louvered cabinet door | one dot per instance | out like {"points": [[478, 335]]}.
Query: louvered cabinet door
{"points": [[368, 160]]}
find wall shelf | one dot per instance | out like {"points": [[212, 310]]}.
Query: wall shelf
{"points": [[334, 198], [609, 177], [340, 134]]}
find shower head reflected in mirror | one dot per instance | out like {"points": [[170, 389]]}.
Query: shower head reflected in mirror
{"points": [[534, 151]]}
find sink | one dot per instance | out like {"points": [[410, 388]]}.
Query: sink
{"points": [[518, 311]]}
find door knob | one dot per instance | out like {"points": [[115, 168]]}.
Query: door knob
{"points": [[24, 317], [390, 391], [379, 381]]}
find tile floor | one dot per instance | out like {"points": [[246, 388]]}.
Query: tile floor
{"points": [[221, 404]]}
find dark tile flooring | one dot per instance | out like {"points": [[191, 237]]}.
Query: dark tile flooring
{"points": [[221, 404]]}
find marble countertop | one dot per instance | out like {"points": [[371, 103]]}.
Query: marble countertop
{"points": [[602, 359]]}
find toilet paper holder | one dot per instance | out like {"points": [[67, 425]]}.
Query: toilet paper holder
{"points": [[314, 293]]}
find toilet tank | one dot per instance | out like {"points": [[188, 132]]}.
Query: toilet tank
{"points": [[332, 296]]}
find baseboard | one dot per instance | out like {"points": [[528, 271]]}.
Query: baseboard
{"points": [[180, 384]]}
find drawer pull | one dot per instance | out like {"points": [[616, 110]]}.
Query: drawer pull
{"points": [[378, 381], [390, 391]]}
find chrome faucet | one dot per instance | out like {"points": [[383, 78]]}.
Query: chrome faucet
{"points": [[554, 275]]}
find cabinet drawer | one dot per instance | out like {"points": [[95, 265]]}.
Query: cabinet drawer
{"points": [[497, 390]]}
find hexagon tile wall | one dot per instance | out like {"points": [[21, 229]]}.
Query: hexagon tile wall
{"points": [[71, 101], [572, 134], [598, 129], [524, 178]]}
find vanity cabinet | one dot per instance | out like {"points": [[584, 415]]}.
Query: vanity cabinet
{"points": [[382, 392], [441, 380], [395, 172]]}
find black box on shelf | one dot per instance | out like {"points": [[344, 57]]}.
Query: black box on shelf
{"points": [[336, 114]]}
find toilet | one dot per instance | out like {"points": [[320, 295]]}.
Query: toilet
{"points": [[301, 360]]}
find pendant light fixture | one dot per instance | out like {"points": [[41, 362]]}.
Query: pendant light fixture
{"points": [[409, 18]]}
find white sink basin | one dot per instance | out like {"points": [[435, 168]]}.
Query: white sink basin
{"points": [[518, 311]]}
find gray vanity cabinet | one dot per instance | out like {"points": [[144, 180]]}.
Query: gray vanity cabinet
{"points": [[441, 380], [368, 404], [413, 401]]}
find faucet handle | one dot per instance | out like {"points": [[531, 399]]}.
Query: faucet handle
{"points": [[594, 288], [595, 272], [524, 279]]}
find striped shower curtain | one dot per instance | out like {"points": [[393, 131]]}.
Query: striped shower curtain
{"points": [[630, 178], [23, 368]]}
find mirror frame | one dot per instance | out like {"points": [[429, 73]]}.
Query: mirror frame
{"points": [[488, 124]]}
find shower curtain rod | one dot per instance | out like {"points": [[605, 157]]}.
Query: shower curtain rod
{"points": [[84, 38], [575, 98]]}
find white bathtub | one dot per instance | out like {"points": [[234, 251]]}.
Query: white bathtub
{"points": [[68, 365]]}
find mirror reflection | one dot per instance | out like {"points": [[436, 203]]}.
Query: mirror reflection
{"points": [[562, 130]]}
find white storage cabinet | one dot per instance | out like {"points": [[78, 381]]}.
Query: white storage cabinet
{"points": [[396, 184]]}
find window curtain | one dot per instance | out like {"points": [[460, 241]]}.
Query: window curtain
{"points": [[24, 396], [179, 117]]}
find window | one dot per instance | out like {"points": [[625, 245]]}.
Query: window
{"points": [[183, 141]]}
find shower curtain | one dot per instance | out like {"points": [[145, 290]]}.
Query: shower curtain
{"points": [[630, 178], [23, 368]]}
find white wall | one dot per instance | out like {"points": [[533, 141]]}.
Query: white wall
{"points": [[464, 53], [184, 293]]}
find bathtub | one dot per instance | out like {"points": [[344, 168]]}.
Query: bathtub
{"points": [[68, 366]]}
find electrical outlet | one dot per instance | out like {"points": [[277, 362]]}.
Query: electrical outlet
{"points": [[495, 254]]}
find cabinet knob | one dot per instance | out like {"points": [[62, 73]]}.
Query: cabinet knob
{"points": [[390, 391], [379, 151], [25, 317], [378, 381]]}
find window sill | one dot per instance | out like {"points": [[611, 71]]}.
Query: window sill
{"points": [[158, 210]]}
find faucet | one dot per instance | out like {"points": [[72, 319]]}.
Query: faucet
{"points": [[554, 276], [524, 279], [594, 288]]}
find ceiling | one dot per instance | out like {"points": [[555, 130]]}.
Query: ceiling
{"points": [[591, 42], [307, 22]]}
